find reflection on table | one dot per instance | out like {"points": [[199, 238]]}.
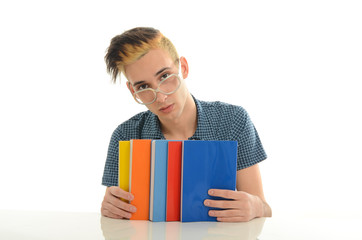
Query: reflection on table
{"points": [[135, 229], [38, 225]]}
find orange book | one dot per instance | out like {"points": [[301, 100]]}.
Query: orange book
{"points": [[173, 181], [139, 177]]}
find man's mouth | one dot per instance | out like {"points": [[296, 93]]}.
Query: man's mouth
{"points": [[167, 108]]}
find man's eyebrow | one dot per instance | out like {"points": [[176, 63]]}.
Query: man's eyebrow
{"points": [[137, 83], [162, 69], [157, 73]]}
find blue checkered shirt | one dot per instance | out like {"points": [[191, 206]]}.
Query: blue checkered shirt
{"points": [[215, 121]]}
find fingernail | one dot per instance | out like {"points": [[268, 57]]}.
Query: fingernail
{"points": [[211, 213], [133, 209], [130, 197], [207, 203], [211, 192]]}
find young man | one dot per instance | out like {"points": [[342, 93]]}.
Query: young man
{"points": [[155, 75]]}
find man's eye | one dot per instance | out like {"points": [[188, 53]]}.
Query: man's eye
{"points": [[142, 86], [165, 75]]}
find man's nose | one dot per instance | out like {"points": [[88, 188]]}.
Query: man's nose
{"points": [[160, 97]]}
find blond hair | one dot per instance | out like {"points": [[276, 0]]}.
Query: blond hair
{"points": [[131, 45]]}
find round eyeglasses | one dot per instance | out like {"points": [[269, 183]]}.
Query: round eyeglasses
{"points": [[167, 86]]}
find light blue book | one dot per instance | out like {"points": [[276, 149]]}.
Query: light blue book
{"points": [[158, 188]]}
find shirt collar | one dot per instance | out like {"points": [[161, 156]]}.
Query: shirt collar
{"points": [[204, 130], [152, 129]]}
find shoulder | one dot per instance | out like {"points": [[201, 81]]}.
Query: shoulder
{"points": [[132, 127], [222, 110], [220, 120]]}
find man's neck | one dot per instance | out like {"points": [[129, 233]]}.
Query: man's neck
{"points": [[184, 126]]}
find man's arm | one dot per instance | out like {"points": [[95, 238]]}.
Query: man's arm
{"points": [[248, 201], [249, 180]]}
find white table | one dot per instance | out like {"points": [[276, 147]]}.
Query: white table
{"points": [[62, 225]]}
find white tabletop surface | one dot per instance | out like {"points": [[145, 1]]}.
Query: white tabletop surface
{"points": [[64, 225]]}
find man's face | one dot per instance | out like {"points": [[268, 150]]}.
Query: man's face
{"points": [[147, 72]]}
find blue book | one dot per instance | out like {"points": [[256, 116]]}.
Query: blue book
{"points": [[205, 165], [158, 186]]}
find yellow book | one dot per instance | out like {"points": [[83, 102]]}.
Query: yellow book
{"points": [[123, 165]]}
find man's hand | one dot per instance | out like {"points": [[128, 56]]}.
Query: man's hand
{"points": [[238, 206], [114, 207]]}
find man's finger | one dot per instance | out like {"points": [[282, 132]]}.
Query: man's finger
{"points": [[233, 219], [227, 213], [224, 204], [109, 214], [224, 193], [122, 205], [112, 210], [120, 193]]}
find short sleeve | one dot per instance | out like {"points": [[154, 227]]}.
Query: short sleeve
{"points": [[110, 174], [250, 149]]}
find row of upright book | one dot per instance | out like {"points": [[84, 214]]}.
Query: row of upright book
{"points": [[170, 179]]}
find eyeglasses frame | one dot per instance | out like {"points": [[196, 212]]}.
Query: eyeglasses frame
{"points": [[155, 91]]}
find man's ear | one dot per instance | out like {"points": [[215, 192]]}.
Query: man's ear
{"points": [[184, 67], [130, 88]]}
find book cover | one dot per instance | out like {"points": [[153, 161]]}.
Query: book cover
{"points": [[205, 165], [173, 181], [158, 185], [123, 164], [139, 177]]}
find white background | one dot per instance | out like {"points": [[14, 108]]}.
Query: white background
{"points": [[294, 65]]}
